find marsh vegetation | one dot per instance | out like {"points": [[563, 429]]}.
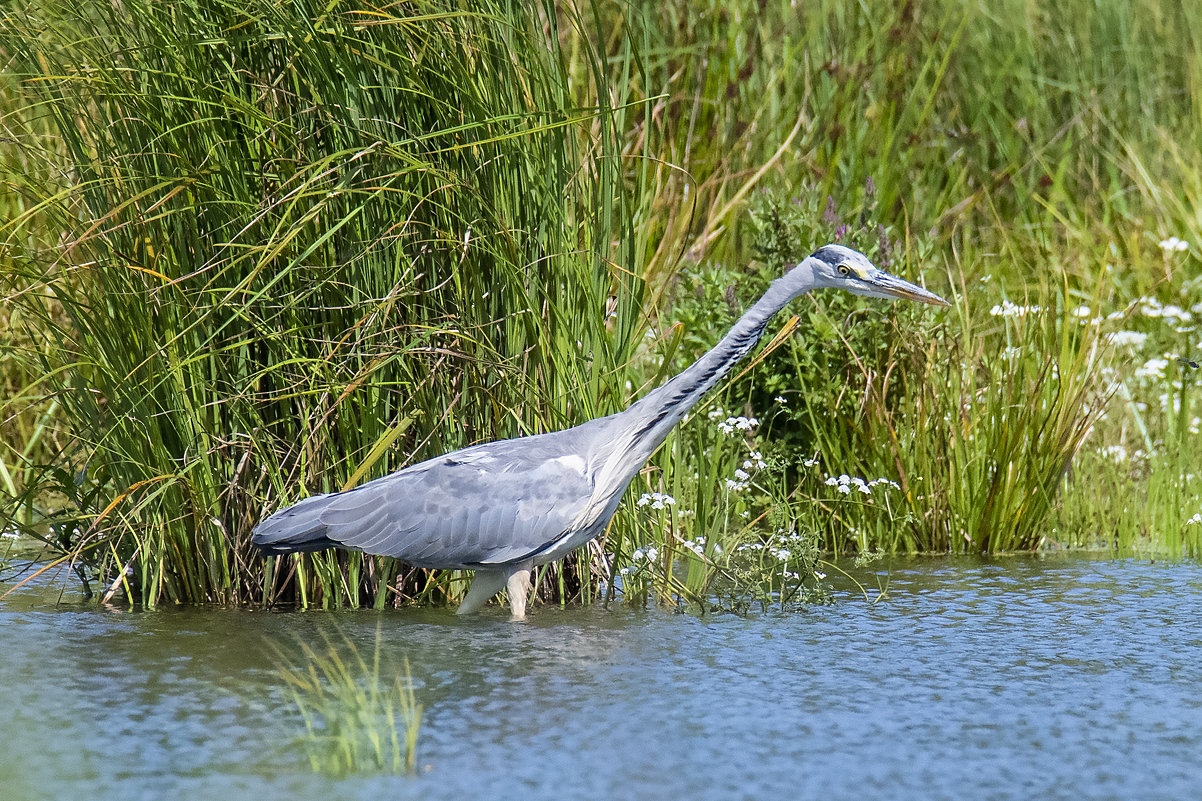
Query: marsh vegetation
{"points": [[252, 251]]}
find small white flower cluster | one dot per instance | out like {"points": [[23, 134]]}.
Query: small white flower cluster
{"points": [[740, 482], [754, 461], [1152, 368], [1121, 338], [657, 500], [1118, 454], [650, 553], [846, 483], [697, 546], [645, 556], [1151, 307], [732, 424], [1174, 245], [1195, 520], [1008, 309], [10, 534]]}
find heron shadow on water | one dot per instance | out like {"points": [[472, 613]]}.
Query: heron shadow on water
{"points": [[503, 508]]}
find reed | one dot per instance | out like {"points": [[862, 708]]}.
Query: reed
{"points": [[300, 247]]}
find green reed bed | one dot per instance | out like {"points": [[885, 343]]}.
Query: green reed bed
{"points": [[299, 247], [255, 251]]}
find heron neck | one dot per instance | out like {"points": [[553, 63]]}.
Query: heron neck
{"points": [[661, 409]]}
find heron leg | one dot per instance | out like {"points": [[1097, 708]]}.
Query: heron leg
{"points": [[485, 584], [518, 586]]}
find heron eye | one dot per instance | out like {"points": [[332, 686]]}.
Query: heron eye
{"points": [[844, 269]]}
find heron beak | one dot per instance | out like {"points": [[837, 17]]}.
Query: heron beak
{"points": [[890, 286]]}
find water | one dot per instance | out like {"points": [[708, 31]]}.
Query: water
{"points": [[1022, 678]]}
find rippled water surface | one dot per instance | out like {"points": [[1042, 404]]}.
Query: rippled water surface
{"points": [[1020, 678]]}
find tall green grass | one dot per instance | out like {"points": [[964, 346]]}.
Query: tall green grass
{"points": [[259, 250], [302, 245]]}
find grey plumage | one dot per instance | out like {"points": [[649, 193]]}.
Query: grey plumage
{"points": [[503, 507]]}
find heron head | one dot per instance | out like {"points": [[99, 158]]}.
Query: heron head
{"points": [[843, 268]]}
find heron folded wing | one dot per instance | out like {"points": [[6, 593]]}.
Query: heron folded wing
{"points": [[484, 506]]}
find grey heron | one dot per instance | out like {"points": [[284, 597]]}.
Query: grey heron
{"points": [[502, 508]]}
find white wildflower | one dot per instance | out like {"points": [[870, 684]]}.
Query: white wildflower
{"points": [[819, 575], [1082, 311], [1175, 312], [1195, 520], [1008, 309], [1115, 453], [1120, 338], [1152, 368], [1151, 307], [657, 500], [1173, 245]]}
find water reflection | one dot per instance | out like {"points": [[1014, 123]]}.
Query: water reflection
{"points": [[1062, 677]]}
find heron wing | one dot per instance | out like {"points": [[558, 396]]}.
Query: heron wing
{"points": [[486, 505]]}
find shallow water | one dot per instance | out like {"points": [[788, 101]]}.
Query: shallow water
{"points": [[1019, 678]]}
